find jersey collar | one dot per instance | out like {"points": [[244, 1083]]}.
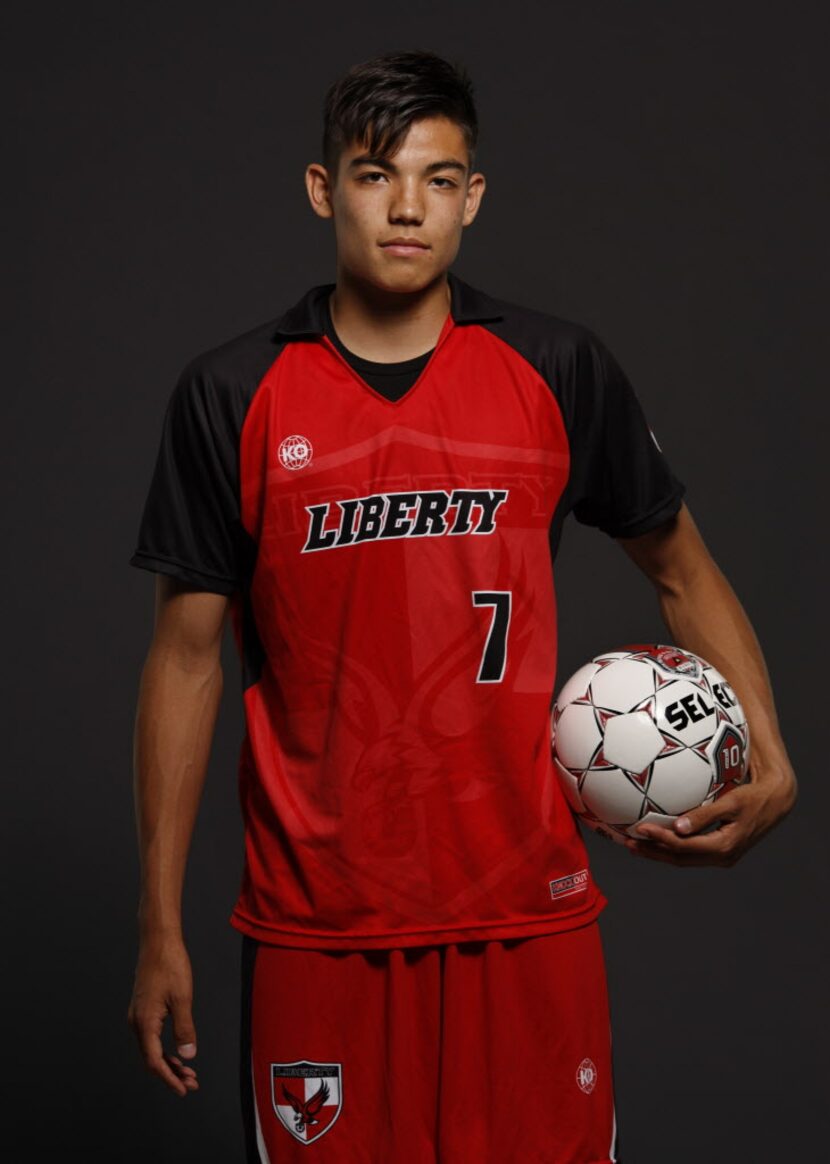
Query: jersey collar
{"points": [[307, 316]]}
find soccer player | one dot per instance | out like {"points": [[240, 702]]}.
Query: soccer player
{"points": [[373, 487]]}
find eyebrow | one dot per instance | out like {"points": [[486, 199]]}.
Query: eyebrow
{"points": [[385, 164]]}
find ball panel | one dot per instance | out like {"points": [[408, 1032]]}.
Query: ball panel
{"points": [[577, 736], [632, 741], [569, 784], [577, 686], [680, 781], [609, 795], [622, 685]]}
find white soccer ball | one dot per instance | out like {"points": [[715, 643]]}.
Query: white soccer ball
{"points": [[645, 734]]}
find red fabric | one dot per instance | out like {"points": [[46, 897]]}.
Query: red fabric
{"points": [[391, 796], [493, 1052]]}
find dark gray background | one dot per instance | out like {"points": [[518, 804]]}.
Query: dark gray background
{"points": [[656, 171]]}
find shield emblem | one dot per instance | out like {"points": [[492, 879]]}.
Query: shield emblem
{"points": [[307, 1097]]}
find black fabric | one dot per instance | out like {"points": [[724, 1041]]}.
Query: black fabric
{"points": [[191, 527], [619, 480], [246, 1084], [307, 317], [392, 380]]}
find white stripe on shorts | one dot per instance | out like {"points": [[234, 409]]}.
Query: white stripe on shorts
{"points": [[612, 1151], [260, 1142]]}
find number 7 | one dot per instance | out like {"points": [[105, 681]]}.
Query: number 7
{"points": [[494, 658]]}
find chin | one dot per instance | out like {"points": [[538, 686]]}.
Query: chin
{"points": [[404, 281]]}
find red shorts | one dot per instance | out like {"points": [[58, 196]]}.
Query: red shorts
{"points": [[482, 1052]]}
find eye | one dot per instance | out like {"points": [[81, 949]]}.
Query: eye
{"points": [[369, 175], [449, 182]]}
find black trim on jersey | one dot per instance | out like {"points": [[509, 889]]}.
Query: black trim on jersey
{"points": [[308, 315], [619, 480], [246, 1083], [191, 525]]}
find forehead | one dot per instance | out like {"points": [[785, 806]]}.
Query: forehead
{"points": [[426, 139]]}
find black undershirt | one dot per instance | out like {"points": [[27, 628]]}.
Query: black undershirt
{"points": [[391, 380]]}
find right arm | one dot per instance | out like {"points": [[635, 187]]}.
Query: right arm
{"points": [[179, 695]]}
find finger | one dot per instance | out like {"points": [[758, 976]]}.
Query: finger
{"points": [[180, 1068], [186, 1074], [184, 1032], [176, 1062], [716, 841], [148, 1029], [726, 807], [655, 852]]}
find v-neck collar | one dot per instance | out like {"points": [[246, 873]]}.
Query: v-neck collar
{"points": [[375, 367], [307, 320], [449, 323]]}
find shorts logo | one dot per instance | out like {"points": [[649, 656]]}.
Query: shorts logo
{"points": [[586, 1076], [573, 883], [295, 452], [307, 1097]]}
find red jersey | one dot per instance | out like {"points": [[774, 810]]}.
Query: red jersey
{"points": [[390, 567]]}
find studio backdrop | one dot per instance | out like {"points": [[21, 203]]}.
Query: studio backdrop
{"points": [[656, 172]]}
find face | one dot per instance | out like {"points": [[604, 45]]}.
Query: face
{"points": [[423, 196]]}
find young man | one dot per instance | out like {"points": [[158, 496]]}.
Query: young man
{"points": [[373, 485]]}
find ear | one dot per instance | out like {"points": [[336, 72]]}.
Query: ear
{"points": [[475, 192], [319, 189]]}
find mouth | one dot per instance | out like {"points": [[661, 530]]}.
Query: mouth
{"points": [[404, 247]]}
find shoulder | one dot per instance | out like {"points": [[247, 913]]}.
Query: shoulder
{"points": [[554, 344], [568, 354], [234, 366]]}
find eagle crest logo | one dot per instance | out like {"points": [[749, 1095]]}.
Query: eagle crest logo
{"points": [[307, 1097]]}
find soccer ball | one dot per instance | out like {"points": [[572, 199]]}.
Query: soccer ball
{"points": [[646, 733]]}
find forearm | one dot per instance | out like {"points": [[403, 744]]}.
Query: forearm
{"points": [[703, 614], [177, 707]]}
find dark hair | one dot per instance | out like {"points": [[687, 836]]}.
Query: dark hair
{"points": [[376, 102]]}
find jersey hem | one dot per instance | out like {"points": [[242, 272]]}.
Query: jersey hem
{"points": [[484, 932], [650, 520], [182, 571]]}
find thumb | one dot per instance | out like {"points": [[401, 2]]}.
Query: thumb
{"points": [[700, 820], [184, 1032]]}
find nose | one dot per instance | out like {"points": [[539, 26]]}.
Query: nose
{"points": [[407, 203]]}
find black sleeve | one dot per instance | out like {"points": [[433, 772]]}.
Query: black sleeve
{"points": [[191, 526], [620, 480]]}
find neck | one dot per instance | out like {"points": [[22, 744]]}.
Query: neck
{"points": [[388, 326]]}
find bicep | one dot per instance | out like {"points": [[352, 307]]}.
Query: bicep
{"points": [[672, 553]]}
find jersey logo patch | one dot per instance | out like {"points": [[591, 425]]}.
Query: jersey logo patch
{"points": [[295, 452], [586, 1076], [307, 1097], [567, 886]]}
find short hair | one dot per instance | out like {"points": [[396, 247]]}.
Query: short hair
{"points": [[376, 102]]}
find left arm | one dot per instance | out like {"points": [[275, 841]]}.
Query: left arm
{"points": [[703, 614]]}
